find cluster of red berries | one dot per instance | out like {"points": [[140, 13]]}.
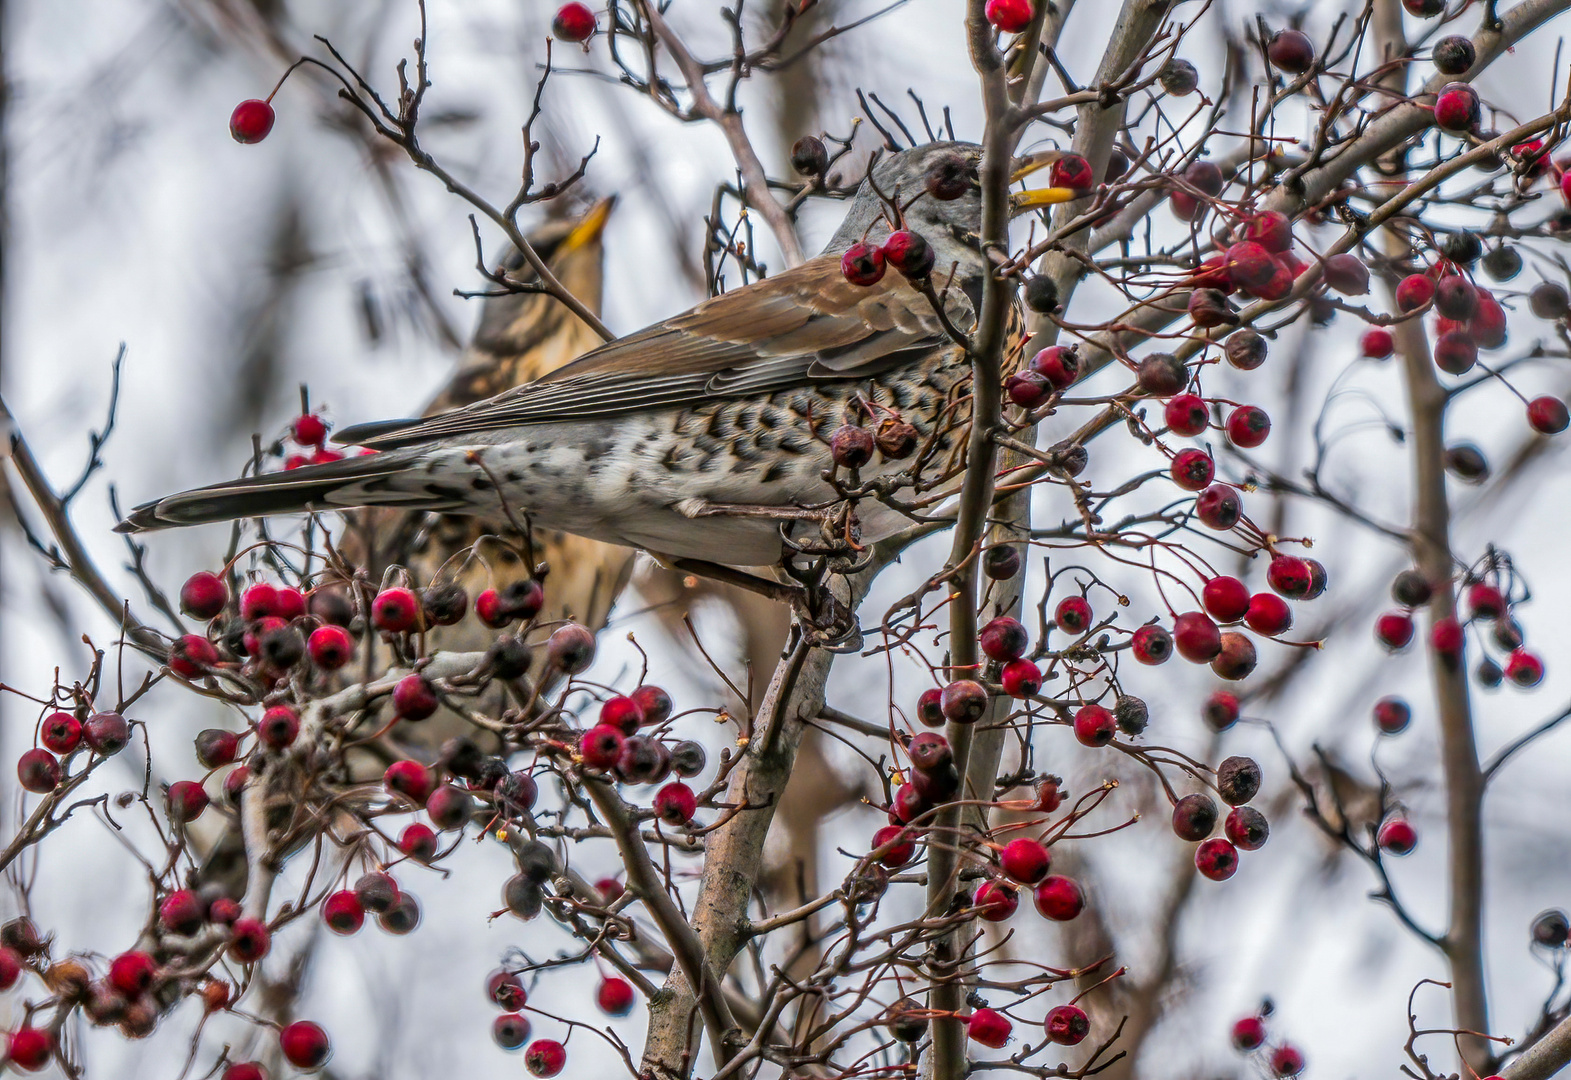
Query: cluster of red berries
{"points": [[1486, 603], [103, 734], [1246, 829], [309, 432], [864, 264], [613, 745], [511, 1030], [1249, 1036], [1066, 1025]]}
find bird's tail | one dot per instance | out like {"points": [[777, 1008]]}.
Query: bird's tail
{"points": [[409, 479]]}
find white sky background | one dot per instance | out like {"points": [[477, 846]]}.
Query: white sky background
{"points": [[136, 219]]}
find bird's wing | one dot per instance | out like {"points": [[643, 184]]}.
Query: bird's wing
{"points": [[800, 326]]}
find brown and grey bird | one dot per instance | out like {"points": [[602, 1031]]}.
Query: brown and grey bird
{"points": [[694, 437]]}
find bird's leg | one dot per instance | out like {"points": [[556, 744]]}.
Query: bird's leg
{"points": [[828, 623], [773, 590]]}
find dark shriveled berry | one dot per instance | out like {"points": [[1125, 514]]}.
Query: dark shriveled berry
{"points": [[1245, 349], [1238, 780], [948, 178], [1162, 374], [1041, 294], [809, 156], [1178, 77], [1131, 713]]}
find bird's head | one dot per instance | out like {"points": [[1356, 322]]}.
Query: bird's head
{"points": [[938, 186]]}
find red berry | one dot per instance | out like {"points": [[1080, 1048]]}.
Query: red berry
{"points": [[573, 22], [1287, 1061], [251, 121], [305, 1045], [1196, 637], [1072, 171], [615, 996], [1004, 639], [1456, 352], [449, 807], [1236, 658], [1094, 725], [330, 647], [278, 727], [1447, 638], [243, 1070], [996, 901], [1392, 715], [343, 912], [1269, 614], [191, 655], [1025, 860], [203, 596], [1457, 108], [418, 842], [10, 967], [505, 990], [675, 803], [30, 1048], [1524, 669], [1192, 469], [258, 602], [409, 779], [600, 746], [653, 702], [622, 713], [1186, 415], [1059, 898], [1225, 598], [182, 912], [223, 911], [1058, 364], [964, 701], [38, 771], [308, 430], [1151, 644], [1194, 817], [1027, 389], [250, 940], [570, 649], [1010, 16], [1394, 630], [862, 264], [414, 698], [490, 609], [1376, 344], [1067, 1025], [1548, 415], [1484, 601], [1346, 274], [1249, 265], [1216, 859], [1073, 615], [132, 973], [60, 732], [1220, 710], [1248, 426], [1397, 836], [1247, 828], [930, 707], [1414, 291], [1218, 507], [545, 1057], [1289, 575], [1021, 678], [909, 253], [187, 800], [107, 733], [396, 610], [1271, 230], [988, 1026], [1249, 1033], [1291, 51], [902, 845]]}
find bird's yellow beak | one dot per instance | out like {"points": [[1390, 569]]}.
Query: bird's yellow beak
{"points": [[1033, 199], [589, 228]]}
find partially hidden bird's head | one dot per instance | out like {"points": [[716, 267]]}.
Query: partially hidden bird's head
{"points": [[522, 336], [938, 188]]}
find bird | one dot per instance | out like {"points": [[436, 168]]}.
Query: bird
{"points": [[705, 436], [520, 337]]}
